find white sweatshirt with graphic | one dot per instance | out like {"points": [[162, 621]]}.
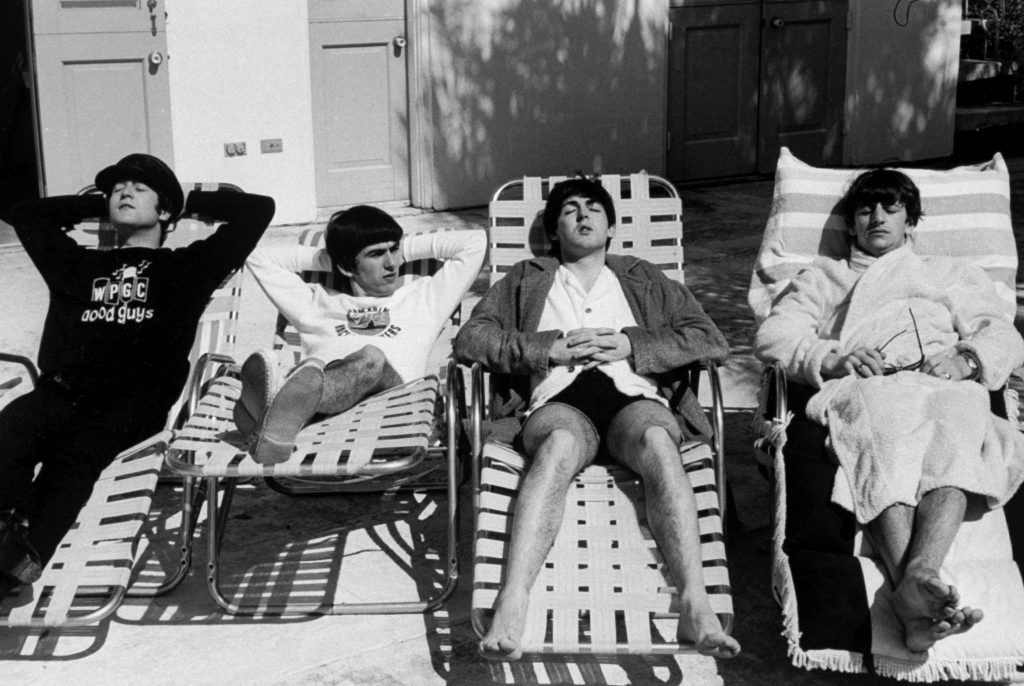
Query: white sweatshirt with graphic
{"points": [[332, 325]]}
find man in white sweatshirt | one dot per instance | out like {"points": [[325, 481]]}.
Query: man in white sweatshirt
{"points": [[370, 335]]}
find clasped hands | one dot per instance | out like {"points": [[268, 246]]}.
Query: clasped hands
{"points": [[590, 347], [866, 361]]}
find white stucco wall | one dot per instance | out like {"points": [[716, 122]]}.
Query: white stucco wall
{"points": [[901, 80], [541, 88], [513, 88], [239, 71]]}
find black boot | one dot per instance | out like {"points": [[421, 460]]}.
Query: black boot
{"points": [[18, 559]]}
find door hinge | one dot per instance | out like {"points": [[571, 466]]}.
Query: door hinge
{"points": [[668, 140], [670, 28]]}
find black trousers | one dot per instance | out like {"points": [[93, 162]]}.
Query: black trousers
{"points": [[72, 437]]}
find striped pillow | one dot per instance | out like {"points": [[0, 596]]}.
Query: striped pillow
{"points": [[966, 214]]}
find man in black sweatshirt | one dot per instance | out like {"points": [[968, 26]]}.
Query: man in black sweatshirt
{"points": [[115, 344]]}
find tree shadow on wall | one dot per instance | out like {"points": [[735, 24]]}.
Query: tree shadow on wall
{"points": [[510, 82]]}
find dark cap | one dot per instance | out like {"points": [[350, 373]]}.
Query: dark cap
{"points": [[149, 170]]}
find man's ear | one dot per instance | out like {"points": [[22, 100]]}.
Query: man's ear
{"points": [[164, 216], [611, 231]]}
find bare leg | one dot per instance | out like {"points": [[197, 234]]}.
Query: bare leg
{"points": [[652, 452], [557, 455], [890, 534], [275, 410], [351, 379], [927, 607]]}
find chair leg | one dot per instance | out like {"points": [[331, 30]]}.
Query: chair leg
{"points": [[454, 479], [225, 507], [191, 500], [217, 521]]}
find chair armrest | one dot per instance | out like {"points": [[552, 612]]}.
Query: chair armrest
{"points": [[710, 367], [14, 379], [195, 384], [156, 443], [33, 373], [454, 400], [689, 379], [773, 413], [476, 420], [775, 374], [717, 409]]}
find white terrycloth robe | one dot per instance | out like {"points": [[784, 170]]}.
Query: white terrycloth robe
{"points": [[897, 437]]}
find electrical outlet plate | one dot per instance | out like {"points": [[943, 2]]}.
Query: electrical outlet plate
{"points": [[271, 145]]}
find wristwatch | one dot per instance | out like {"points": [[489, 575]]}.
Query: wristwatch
{"points": [[972, 362]]}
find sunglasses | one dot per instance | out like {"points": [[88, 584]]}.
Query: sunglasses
{"points": [[892, 369]]}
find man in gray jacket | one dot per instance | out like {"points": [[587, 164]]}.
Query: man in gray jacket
{"points": [[584, 345]]}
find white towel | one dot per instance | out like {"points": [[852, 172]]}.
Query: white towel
{"points": [[898, 437], [980, 566]]}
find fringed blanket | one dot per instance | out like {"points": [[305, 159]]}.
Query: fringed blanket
{"points": [[835, 596]]}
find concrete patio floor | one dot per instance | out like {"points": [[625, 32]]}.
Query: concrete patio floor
{"points": [[184, 638]]}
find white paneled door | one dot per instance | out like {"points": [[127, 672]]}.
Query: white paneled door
{"points": [[101, 69], [360, 103]]}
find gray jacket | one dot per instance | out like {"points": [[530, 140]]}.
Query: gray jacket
{"points": [[672, 331]]}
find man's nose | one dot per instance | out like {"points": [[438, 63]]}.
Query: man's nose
{"points": [[877, 214], [389, 260]]}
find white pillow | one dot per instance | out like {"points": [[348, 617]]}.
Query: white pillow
{"points": [[966, 214]]}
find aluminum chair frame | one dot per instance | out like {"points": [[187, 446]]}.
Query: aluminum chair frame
{"points": [[664, 204], [219, 485], [124, 490]]}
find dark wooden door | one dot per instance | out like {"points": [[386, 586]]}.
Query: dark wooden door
{"points": [[712, 90], [746, 78], [803, 79]]}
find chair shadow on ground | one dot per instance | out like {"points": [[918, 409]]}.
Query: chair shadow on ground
{"points": [[308, 549], [559, 670], [55, 644], [364, 547]]}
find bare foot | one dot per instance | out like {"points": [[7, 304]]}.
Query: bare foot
{"points": [[922, 593], [927, 608], [502, 641], [965, 618], [703, 629]]}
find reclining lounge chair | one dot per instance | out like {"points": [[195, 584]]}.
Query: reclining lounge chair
{"points": [[95, 566], [604, 588], [407, 436], [832, 589]]}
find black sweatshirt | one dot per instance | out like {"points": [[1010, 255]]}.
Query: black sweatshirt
{"points": [[126, 318]]}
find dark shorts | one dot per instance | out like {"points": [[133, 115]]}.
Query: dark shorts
{"points": [[594, 396]]}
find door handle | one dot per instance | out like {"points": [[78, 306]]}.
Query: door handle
{"points": [[777, 22], [399, 42], [156, 57]]}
